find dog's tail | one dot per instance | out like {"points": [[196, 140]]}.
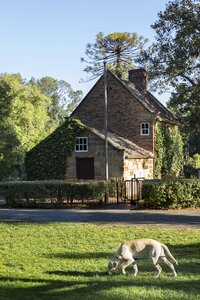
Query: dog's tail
{"points": [[169, 253]]}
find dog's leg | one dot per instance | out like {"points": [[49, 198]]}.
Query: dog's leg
{"points": [[166, 261], [154, 254], [127, 256], [127, 263], [135, 268], [159, 270]]}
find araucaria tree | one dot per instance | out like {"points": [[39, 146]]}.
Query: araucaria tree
{"points": [[174, 60], [119, 49]]}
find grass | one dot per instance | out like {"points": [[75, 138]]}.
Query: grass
{"points": [[67, 261]]}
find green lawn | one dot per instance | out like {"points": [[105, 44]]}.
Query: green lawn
{"points": [[67, 261]]}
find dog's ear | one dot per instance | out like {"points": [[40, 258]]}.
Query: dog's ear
{"points": [[115, 264]]}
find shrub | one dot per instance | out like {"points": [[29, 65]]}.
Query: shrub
{"points": [[191, 166], [164, 194], [35, 193]]}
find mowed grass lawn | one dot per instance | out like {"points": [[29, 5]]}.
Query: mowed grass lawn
{"points": [[68, 261]]}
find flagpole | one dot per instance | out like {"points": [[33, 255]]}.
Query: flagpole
{"points": [[106, 121]]}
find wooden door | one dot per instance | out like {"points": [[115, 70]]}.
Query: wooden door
{"points": [[85, 168]]}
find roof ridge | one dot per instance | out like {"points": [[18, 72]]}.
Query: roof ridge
{"points": [[161, 105]]}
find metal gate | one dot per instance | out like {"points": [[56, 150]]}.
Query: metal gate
{"points": [[132, 189]]}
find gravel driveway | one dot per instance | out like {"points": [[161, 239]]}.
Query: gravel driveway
{"points": [[123, 216]]}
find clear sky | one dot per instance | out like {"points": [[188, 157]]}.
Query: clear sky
{"points": [[48, 37]]}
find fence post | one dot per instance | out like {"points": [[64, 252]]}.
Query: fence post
{"points": [[132, 188], [117, 187]]}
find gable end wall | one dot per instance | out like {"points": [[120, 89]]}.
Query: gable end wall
{"points": [[125, 112]]}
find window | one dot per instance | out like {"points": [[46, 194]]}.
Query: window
{"points": [[144, 128], [81, 144]]}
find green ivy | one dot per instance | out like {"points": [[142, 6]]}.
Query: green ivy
{"points": [[48, 159], [169, 151], [159, 151]]}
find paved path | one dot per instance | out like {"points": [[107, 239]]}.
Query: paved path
{"points": [[189, 218]]}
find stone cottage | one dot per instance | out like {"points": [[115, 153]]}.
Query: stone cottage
{"points": [[132, 113]]}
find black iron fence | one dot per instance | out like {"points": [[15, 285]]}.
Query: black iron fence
{"points": [[63, 194], [126, 190]]}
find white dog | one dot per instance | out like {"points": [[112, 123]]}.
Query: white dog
{"points": [[131, 250]]}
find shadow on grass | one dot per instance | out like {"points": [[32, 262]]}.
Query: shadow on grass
{"points": [[80, 255], [93, 289], [77, 273], [188, 257], [98, 216], [95, 285]]}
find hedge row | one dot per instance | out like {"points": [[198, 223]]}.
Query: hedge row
{"points": [[164, 194], [35, 193]]}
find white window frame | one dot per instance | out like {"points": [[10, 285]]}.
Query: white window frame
{"points": [[81, 144], [144, 129]]}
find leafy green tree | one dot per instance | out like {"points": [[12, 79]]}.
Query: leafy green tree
{"points": [[185, 104], [24, 118], [173, 61], [63, 98], [191, 165], [118, 49], [174, 56], [9, 142], [9, 154], [29, 111]]}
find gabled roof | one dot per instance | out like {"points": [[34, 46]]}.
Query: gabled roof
{"points": [[117, 141], [149, 101]]}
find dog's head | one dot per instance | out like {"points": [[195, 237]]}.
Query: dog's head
{"points": [[113, 265]]}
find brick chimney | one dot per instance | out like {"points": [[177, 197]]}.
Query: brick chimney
{"points": [[139, 78]]}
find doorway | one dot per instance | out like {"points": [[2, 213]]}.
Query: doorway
{"points": [[85, 168]]}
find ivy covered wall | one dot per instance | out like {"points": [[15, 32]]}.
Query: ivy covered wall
{"points": [[47, 160], [168, 151]]}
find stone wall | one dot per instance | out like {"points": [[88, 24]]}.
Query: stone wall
{"points": [[96, 150], [134, 168], [118, 165]]}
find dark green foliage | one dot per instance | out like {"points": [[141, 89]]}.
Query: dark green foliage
{"points": [[173, 58], [173, 61], [159, 150], [168, 151], [164, 194], [9, 154], [185, 105], [191, 166], [37, 193], [48, 159]]}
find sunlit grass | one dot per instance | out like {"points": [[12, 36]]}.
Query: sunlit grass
{"points": [[68, 261]]}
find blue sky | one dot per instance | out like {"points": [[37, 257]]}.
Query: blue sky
{"points": [[48, 37]]}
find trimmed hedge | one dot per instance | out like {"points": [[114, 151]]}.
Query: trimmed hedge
{"points": [[165, 194], [35, 193]]}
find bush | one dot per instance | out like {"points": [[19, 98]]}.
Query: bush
{"points": [[192, 165], [35, 193], [164, 194]]}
